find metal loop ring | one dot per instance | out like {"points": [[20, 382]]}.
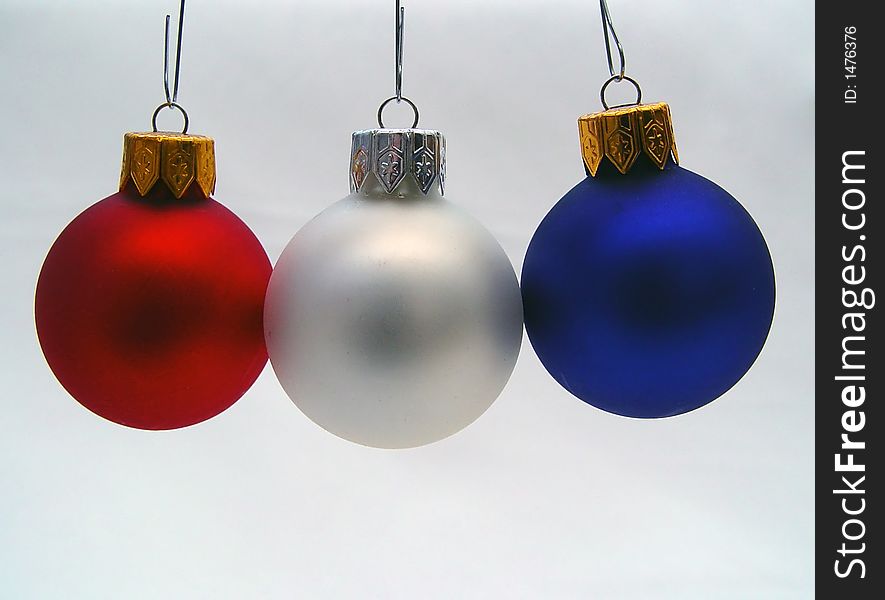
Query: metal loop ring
{"points": [[620, 78], [391, 99], [170, 105]]}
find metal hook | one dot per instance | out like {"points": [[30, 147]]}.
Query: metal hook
{"points": [[399, 26], [170, 98], [609, 33]]}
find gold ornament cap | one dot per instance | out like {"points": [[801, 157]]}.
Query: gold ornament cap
{"points": [[621, 134], [176, 160]]}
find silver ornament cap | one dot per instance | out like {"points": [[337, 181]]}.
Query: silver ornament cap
{"points": [[392, 156]]}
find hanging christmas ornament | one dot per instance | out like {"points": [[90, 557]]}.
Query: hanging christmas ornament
{"points": [[148, 306], [648, 290], [393, 319]]}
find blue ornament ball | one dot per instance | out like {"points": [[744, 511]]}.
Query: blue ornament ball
{"points": [[648, 294]]}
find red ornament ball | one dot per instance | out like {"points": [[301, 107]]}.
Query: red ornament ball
{"points": [[149, 310]]}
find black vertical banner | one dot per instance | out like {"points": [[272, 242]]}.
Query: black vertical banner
{"points": [[850, 365]]}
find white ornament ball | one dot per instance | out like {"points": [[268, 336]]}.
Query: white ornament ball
{"points": [[393, 321]]}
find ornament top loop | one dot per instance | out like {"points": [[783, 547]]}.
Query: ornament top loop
{"points": [[171, 105], [620, 78], [403, 99]]}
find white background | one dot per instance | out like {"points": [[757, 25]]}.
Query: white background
{"points": [[544, 496]]}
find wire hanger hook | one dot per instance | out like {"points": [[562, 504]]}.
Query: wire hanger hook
{"points": [[609, 34], [399, 26], [172, 97]]}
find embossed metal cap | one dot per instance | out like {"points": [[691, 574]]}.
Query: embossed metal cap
{"points": [[393, 155], [622, 134], [175, 159]]}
